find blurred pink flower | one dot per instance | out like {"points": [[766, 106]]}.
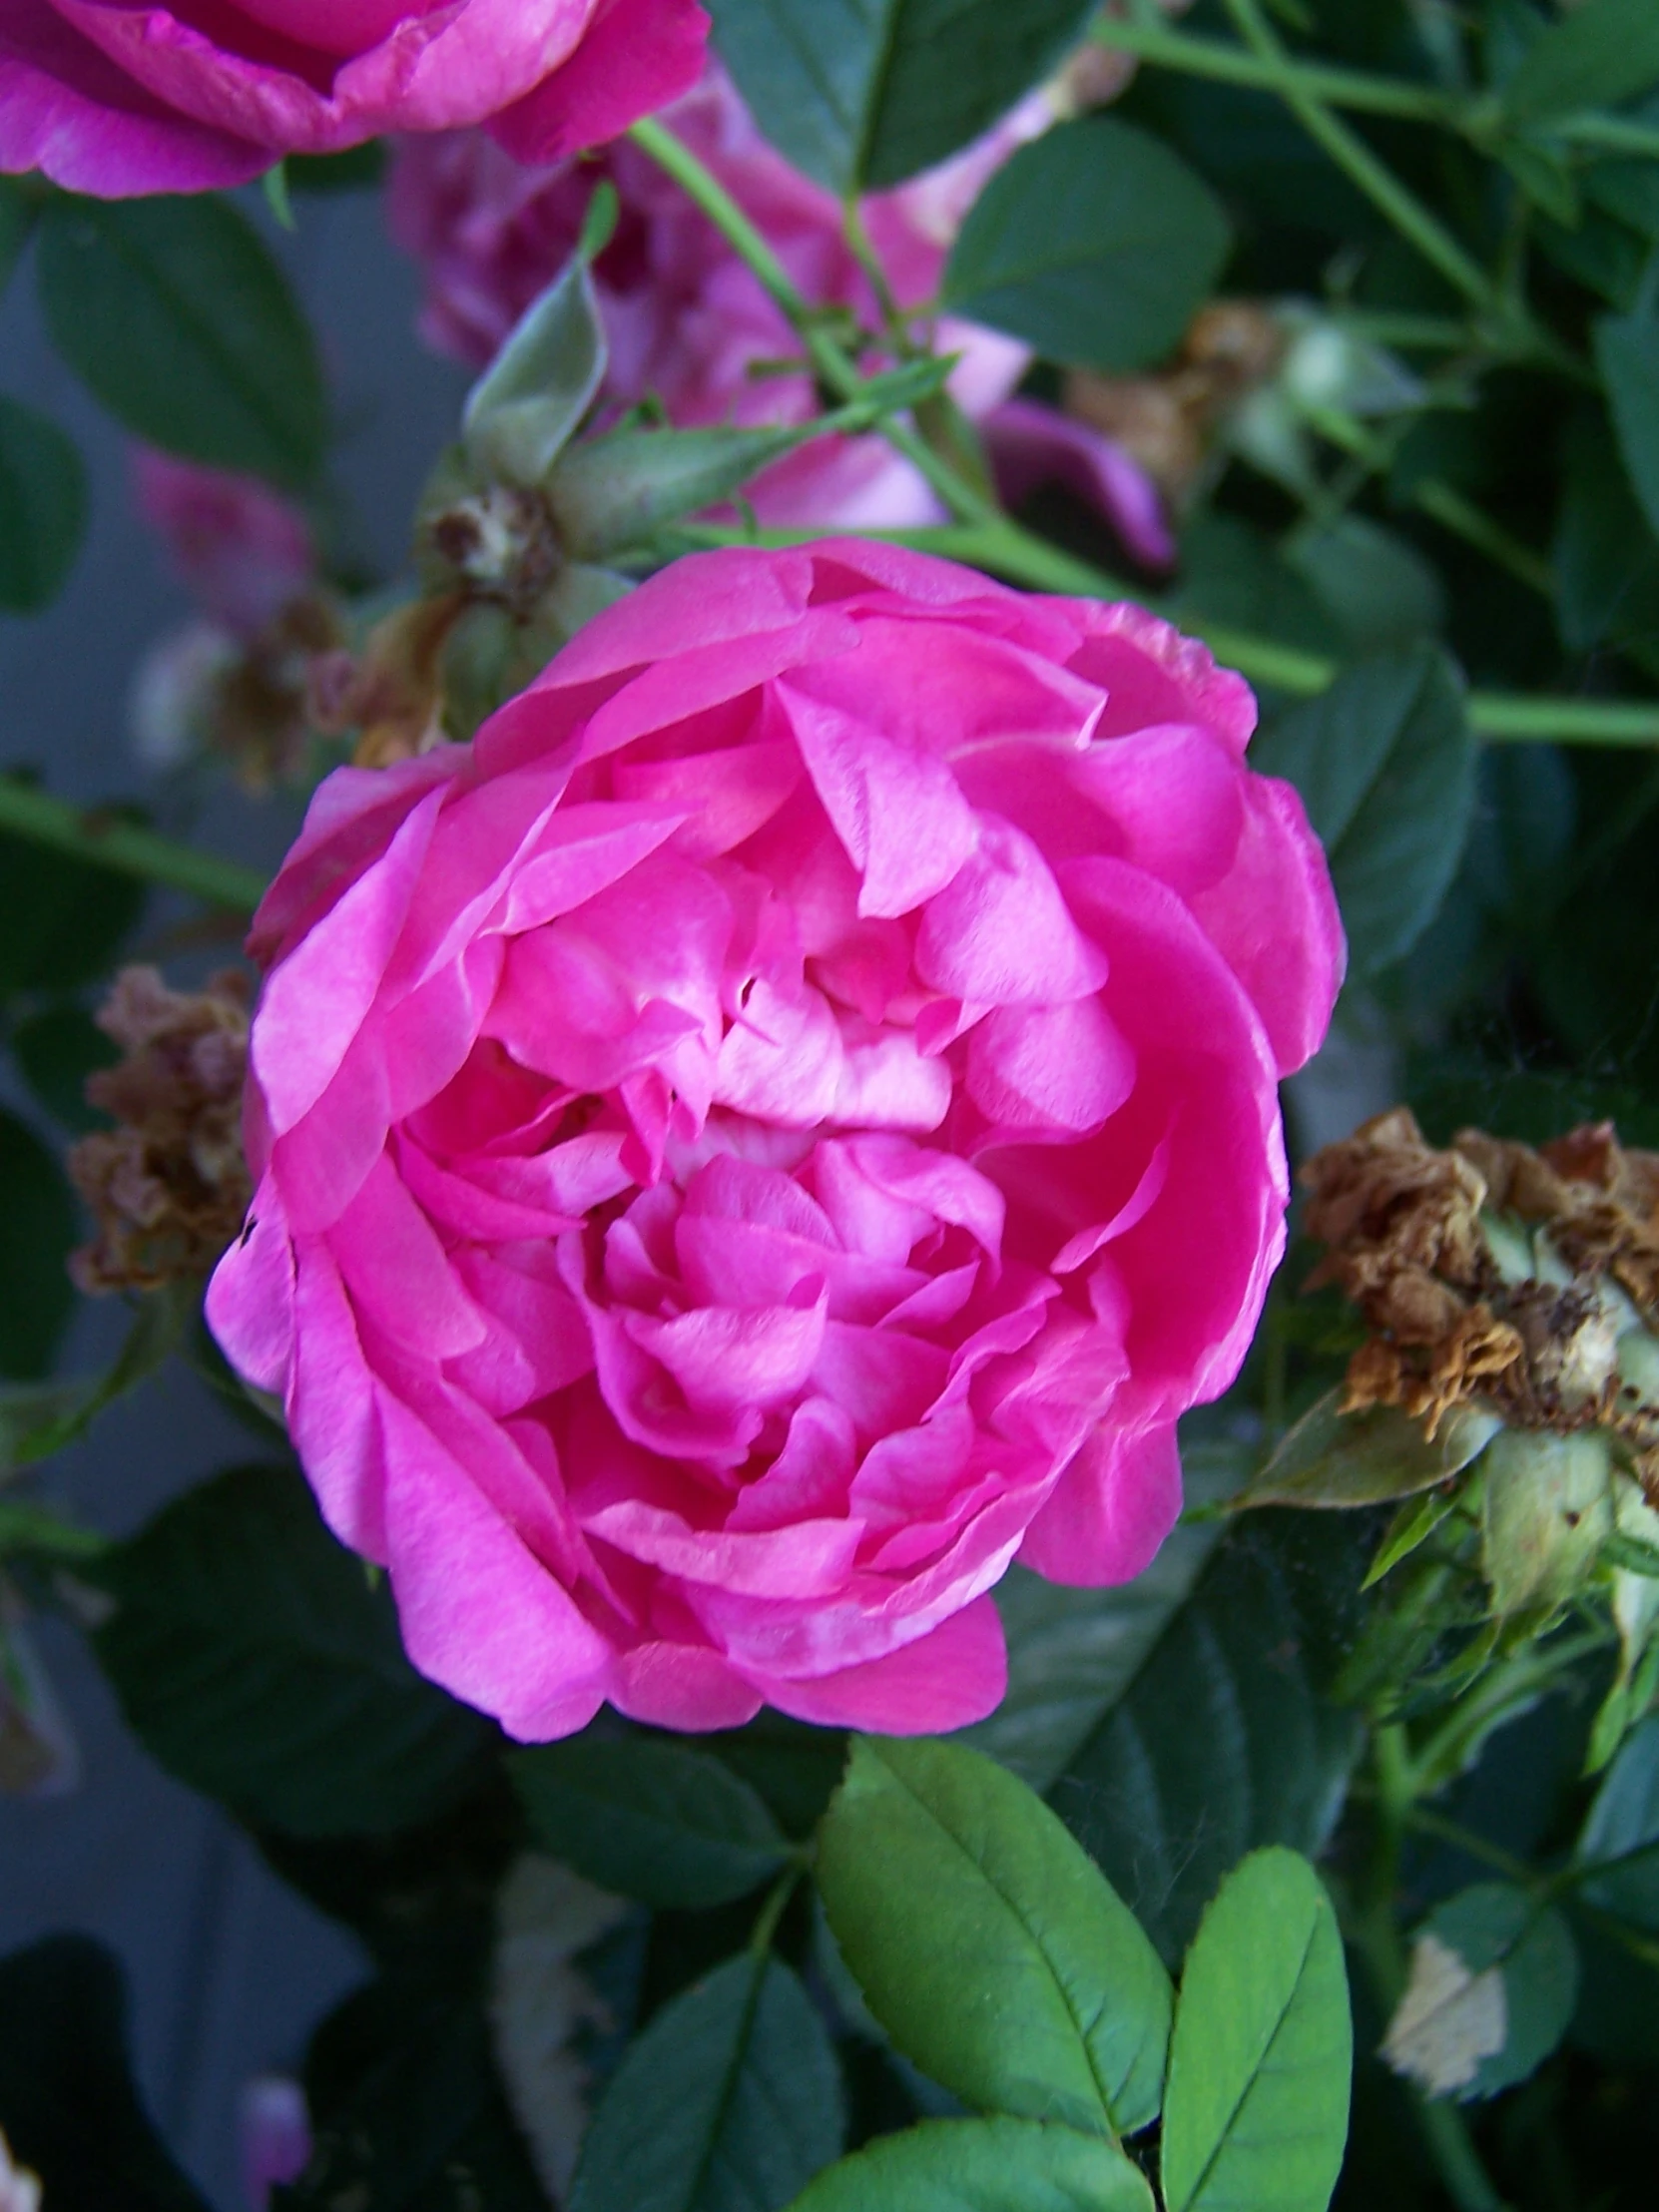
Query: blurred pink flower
{"points": [[275, 2133], [242, 551], [112, 99], [784, 1122], [19, 2189], [688, 321]]}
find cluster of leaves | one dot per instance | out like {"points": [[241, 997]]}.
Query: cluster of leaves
{"points": [[936, 1976]]}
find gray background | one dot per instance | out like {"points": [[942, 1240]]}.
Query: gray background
{"points": [[227, 1970]]}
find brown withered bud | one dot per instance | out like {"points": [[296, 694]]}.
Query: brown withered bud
{"points": [[1523, 1320], [167, 1185], [1169, 422], [391, 692]]}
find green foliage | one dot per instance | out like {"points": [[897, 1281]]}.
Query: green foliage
{"points": [[39, 1227], [1095, 244], [998, 2165], [1594, 57], [62, 921], [528, 401], [37, 1420], [179, 320], [56, 1050], [68, 2109], [254, 1661], [1627, 354], [1332, 1458], [1256, 2110], [730, 2101], [1515, 2009], [17, 220], [661, 1822], [43, 507], [862, 94], [1620, 1839], [1386, 768], [986, 1943]]}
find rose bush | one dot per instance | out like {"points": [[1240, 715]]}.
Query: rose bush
{"points": [[686, 321], [112, 99], [781, 1124]]}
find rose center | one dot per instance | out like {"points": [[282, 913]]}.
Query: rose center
{"points": [[332, 26]]}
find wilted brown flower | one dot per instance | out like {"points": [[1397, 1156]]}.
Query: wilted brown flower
{"points": [[1169, 422], [1492, 1273], [391, 692], [168, 1185]]}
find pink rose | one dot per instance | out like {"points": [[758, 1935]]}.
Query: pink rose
{"points": [[779, 1126], [112, 98], [688, 321], [242, 551]]}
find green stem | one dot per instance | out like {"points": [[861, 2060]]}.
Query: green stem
{"points": [[1355, 157], [1224, 62], [829, 360], [106, 840], [1430, 1822], [771, 1911]]}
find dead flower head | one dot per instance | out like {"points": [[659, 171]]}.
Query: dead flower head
{"points": [[168, 1185], [1490, 1272]]}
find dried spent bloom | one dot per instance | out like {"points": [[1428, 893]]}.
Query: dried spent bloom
{"points": [[1523, 1281], [168, 1185]]}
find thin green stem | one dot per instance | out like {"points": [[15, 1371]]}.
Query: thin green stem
{"points": [[1355, 157], [1193, 55], [107, 841], [771, 1911], [833, 365], [1427, 1822]]}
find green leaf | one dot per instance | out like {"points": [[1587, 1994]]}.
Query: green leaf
{"points": [[529, 400], [1338, 1460], [177, 318], [1606, 558], [1386, 767], [253, 1660], [661, 1822], [1095, 244], [1493, 1983], [1621, 1835], [17, 220], [43, 508], [1597, 55], [1547, 1508], [1627, 354], [39, 1227], [998, 2165], [62, 921], [988, 1947], [56, 1050], [1377, 586], [1256, 2114], [614, 493], [792, 1767], [1073, 1653], [730, 2101], [68, 2109], [862, 94], [39, 1419], [1224, 1738]]}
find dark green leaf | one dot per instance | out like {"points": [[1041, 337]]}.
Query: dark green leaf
{"points": [[43, 508], [1096, 244], [39, 1227], [1494, 1979], [1225, 1739], [56, 1050], [17, 220], [353, 168], [865, 93], [665, 1823], [254, 1661], [533, 394], [1621, 1834], [1627, 354], [792, 1767], [183, 326], [998, 2165], [408, 2112], [1594, 57], [1257, 2111], [1379, 589], [987, 1945], [1386, 767], [1333, 1458], [1606, 558], [61, 922], [67, 2105], [730, 2101]]}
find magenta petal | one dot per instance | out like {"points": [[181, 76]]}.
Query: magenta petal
{"points": [[1058, 1068], [808, 1559], [952, 1676], [1110, 1510], [685, 1686], [397, 1271], [1031, 445], [250, 1304], [637, 57], [1000, 933], [330, 1406]]}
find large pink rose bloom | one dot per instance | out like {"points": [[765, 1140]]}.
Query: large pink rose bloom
{"points": [[689, 322], [113, 98], [776, 1128]]}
